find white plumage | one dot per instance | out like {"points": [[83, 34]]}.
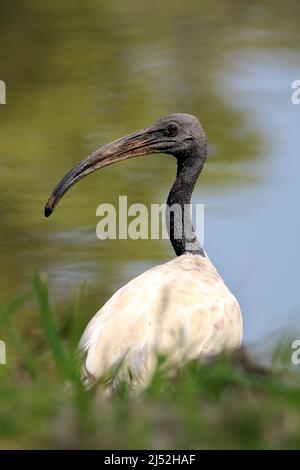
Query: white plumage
{"points": [[181, 310]]}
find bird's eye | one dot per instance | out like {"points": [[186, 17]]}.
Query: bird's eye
{"points": [[171, 130]]}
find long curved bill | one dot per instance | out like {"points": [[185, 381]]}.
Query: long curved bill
{"points": [[133, 145]]}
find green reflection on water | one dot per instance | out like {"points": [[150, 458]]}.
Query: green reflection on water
{"points": [[81, 74]]}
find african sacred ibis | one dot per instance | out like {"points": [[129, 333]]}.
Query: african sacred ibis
{"points": [[181, 309]]}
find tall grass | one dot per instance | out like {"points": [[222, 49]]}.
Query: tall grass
{"points": [[230, 403]]}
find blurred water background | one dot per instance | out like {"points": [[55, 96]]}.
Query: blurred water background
{"points": [[83, 73]]}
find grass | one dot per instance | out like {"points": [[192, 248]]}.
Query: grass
{"points": [[229, 403]]}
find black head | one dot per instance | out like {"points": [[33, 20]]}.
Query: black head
{"points": [[184, 134], [180, 135]]}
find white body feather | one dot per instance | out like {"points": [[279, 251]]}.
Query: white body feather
{"points": [[181, 310]]}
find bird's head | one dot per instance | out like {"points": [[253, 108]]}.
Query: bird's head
{"points": [[180, 135]]}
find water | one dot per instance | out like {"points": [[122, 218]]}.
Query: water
{"points": [[81, 75]]}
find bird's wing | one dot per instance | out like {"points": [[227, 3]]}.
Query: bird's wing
{"points": [[178, 309]]}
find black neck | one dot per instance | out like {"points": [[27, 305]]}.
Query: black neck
{"points": [[179, 222]]}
